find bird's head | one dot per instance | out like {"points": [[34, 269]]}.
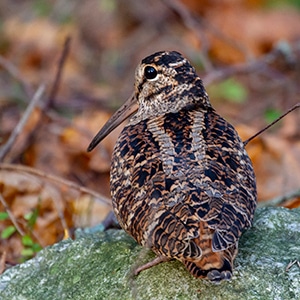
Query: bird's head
{"points": [[164, 82]]}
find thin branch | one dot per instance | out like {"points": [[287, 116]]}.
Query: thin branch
{"points": [[11, 216], [271, 124], [260, 64], [61, 63], [49, 101], [277, 201], [243, 68], [197, 25], [292, 263], [2, 262], [192, 24], [18, 129], [14, 72], [55, 179], [62, 219]]}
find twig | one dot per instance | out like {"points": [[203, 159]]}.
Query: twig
{"points": [[261, 64], [196, 25], [55, 86], [280, 200], [271, 124], [11, 216], [14, 72], [292, 263], [49, 101], [243, 68], [55, 179], [220, 74], [2, 262], [193, 25], [18, 129], [62, 220]]}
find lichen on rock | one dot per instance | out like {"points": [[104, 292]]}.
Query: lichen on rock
{"points": [[100, 266]]}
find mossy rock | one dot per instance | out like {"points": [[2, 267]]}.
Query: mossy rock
{"points": [[99, 266]]}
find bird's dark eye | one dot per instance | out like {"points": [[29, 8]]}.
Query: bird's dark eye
{"points": [[150, 72]]}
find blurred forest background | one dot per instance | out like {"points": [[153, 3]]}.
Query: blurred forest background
{"points": [[65, 66]]}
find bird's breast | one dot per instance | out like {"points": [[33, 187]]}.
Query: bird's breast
{"points": [[191, 159], [154, 161]]}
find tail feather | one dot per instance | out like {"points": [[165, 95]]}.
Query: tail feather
{"points": [[213, 265], [216, 267]]}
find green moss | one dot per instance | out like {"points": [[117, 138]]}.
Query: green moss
{"points": [[99, 266]]}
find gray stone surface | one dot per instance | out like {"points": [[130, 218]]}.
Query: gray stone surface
{"points": [[99, 266]]}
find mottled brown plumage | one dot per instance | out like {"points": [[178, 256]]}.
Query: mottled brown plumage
{"points": [[182, 183]]}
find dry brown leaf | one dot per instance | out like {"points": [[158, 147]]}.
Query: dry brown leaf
{"points": [[88, 212], [293, 203], [58, 209], [276, 162], [36, 51], [77, 143], [255, 30]]}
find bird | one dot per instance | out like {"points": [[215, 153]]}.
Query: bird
{"points": [[182, 183]]}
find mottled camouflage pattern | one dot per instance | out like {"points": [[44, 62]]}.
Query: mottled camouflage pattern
{"points": [[182, 183]]}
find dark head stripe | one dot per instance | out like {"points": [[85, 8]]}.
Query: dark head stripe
{"points": [[163, 58]]}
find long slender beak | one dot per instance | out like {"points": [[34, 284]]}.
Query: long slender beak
{"points": [[125, 111]]}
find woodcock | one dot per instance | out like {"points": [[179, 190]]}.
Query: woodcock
{"points": [[182, 183]]}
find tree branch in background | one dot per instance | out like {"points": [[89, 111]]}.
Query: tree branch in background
{"points": [[48, 103], [192, 24], [198, 25], [58, 75], [14, 72], [18, 129], [2, 262], [58, 180], [271, 124], [259, 65], [11, 216]]}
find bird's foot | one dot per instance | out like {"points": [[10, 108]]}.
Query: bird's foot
{"points": [[154, 262]]}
